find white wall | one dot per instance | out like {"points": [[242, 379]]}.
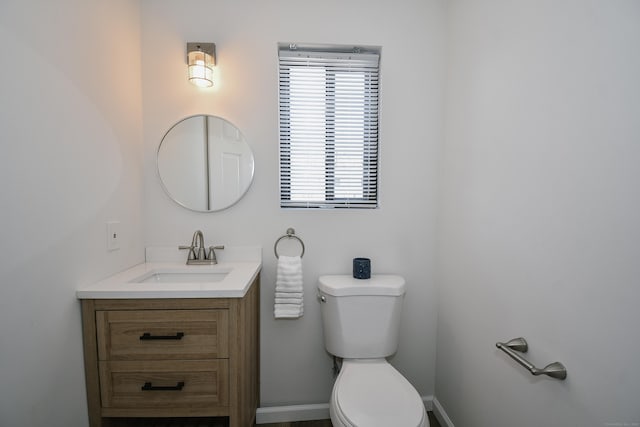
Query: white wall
{"points": [[70, 138], [538, 230], [540, 212], [399, 237]]}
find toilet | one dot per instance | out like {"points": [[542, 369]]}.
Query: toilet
{"points": [[360, 320]]}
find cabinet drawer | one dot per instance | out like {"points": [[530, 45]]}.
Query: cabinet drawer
{"points": [[162, 384], [162, 334]]}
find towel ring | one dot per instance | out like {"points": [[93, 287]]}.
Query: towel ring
{"points": [[291, 234]]}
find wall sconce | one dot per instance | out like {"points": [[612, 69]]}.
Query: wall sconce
{"points": [[201, 57]]}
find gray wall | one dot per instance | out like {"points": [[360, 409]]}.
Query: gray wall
{"points": [[540, 213]]}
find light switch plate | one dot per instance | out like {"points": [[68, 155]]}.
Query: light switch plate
{"points": [[113, 235]]}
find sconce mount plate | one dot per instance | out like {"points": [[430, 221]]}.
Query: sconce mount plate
{"points": [[208, 48]]}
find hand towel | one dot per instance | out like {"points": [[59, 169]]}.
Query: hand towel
{"points": [[289, 295], [288, 301]]}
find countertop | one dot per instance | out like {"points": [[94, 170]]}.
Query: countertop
{"points": [[123, 285]]}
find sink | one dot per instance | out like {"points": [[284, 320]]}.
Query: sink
{"points": [[176, 280], [166, 275], [160, 276]]}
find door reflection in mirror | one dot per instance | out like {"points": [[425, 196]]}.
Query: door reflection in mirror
{"points": [[205, 164]]}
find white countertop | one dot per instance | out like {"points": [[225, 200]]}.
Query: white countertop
{"points": [[123, 285]]}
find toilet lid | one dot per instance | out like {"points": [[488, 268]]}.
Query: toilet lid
{"points": [[376, 395]]}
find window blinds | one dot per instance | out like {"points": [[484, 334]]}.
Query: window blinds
{"points": [[328, 129]]}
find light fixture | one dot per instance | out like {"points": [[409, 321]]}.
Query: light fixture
{"points": [[201, 57]]}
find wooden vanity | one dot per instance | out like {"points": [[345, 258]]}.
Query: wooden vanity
{"points": [[172, 357]]}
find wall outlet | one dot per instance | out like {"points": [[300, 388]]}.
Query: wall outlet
{"points": [[113, 235]]}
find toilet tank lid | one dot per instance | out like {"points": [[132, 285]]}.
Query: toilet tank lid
{"points": [[378, 284]]}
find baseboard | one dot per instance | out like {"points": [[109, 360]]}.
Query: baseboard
{"points": [[428, 402], [285, 414], [441, 414], [291, 413]]}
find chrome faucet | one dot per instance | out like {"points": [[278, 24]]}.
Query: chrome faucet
{"points": [[197, 252]]}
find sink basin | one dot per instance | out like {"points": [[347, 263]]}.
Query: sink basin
{"points": [[181, 277], [166, 278]]}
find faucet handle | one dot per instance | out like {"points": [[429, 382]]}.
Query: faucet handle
{"points": [[212, 253], [192, 253]]}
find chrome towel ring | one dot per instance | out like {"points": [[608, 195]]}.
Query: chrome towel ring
{"points": [[291, 234]]}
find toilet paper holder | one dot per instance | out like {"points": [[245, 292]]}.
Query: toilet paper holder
{"points": [[554, 370]]}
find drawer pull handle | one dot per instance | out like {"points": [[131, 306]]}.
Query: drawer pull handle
{"points": [[148, 336], [151, 387]]}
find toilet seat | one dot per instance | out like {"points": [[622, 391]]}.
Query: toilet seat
{"points": [[371, 393]]}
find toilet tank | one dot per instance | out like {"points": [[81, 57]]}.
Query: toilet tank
{"points": [[361, 318]]}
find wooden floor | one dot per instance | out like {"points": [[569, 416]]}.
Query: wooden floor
{"points": [[327, 423], [319, 423], [218, 422]]}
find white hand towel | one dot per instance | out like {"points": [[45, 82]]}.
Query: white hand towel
{"points": [[289, 295], [284, 300], [289, 290]]}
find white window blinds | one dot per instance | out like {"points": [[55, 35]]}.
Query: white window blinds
{"points": [[328, 129]]}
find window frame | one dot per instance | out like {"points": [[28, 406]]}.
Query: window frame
{"points": [[336, 61]]}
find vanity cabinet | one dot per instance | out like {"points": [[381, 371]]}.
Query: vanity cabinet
{"points": [[176, 358]]}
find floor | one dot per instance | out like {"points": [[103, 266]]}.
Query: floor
{"points": [[327, 423], [217, 422]]}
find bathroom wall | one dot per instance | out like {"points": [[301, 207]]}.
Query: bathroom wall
{"points": [[540, 207], [70, 137], [537, 230], [399, 237]]}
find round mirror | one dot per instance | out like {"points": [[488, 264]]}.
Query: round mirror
{"points": [[205, 164]]}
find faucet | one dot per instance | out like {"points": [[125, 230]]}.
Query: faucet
{"points": [[198, 239], [197, 252]]}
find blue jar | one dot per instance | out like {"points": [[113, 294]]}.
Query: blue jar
{"points": [[362, 268]]}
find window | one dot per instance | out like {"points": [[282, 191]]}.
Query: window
{"points": [[328, 127]]}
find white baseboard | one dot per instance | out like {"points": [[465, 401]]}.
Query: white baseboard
{"points": [[441, 414], [284, 414], [428, 402]]}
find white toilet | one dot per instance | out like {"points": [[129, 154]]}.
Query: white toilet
{"points": [[360, 320]]}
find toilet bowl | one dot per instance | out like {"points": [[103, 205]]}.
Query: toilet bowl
{"points": [[371, 393], [361, 320]]}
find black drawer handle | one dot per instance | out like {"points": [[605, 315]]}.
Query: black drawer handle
{"points": [[151, 387], [148, 336]]}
